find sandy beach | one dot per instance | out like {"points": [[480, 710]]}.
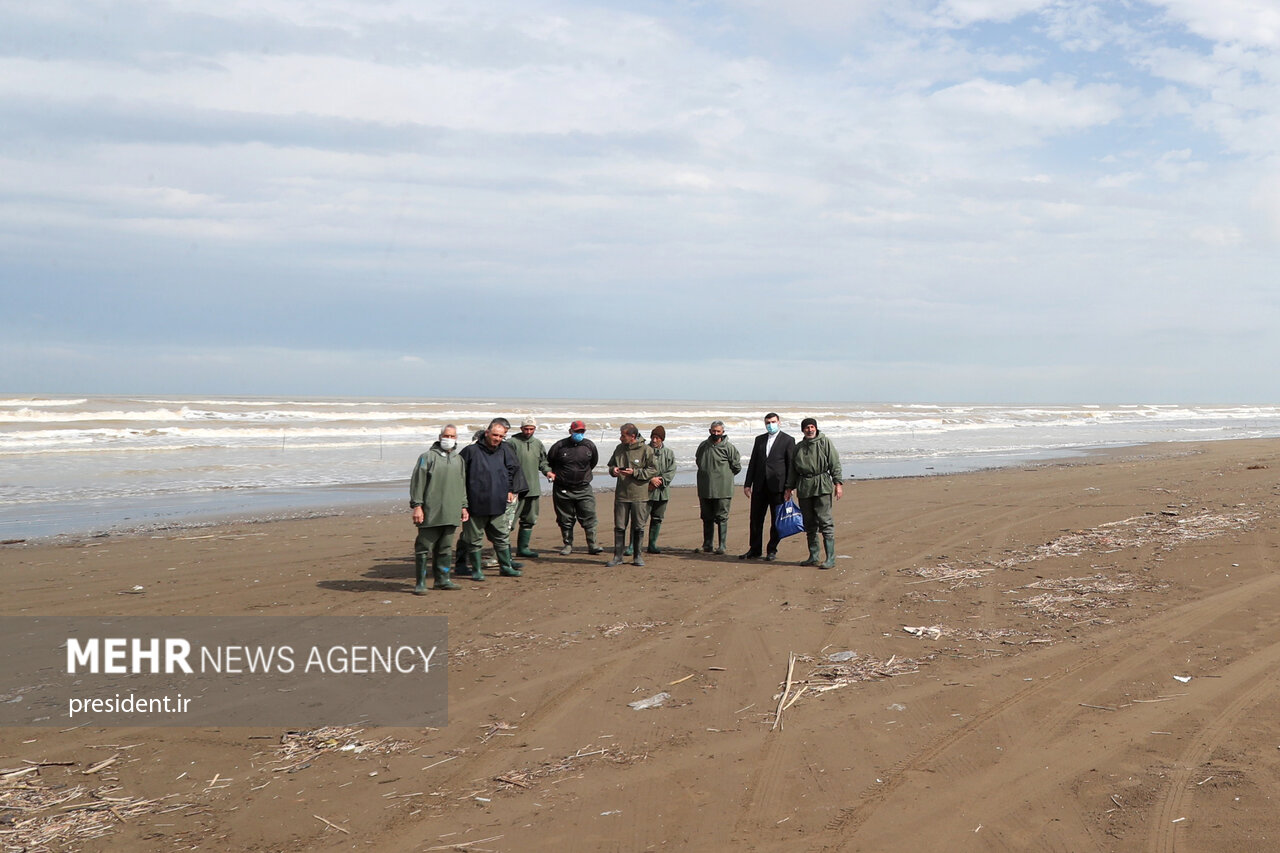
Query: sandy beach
{"points": [[1039, 702]]}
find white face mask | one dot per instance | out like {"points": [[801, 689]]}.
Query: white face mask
{"points": [[447, 444]]}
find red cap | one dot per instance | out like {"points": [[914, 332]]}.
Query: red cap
{"points": [[577, 426]]}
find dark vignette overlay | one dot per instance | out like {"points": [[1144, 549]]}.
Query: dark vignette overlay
{"points": [[252, 669]]}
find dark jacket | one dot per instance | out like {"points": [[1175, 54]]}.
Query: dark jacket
{"points": [[572, 461], [770, 474], [492, 472]]}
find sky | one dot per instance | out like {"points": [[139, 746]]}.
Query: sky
{"points": [[904, 201]]}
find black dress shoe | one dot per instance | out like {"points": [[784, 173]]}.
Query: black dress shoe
{"points": [[772, 556], [750, 555]]}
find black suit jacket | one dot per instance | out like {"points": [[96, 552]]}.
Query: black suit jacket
{"points": [[770, 474]]}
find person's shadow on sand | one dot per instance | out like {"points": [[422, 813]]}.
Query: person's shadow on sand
{"points": [[392, 575]]}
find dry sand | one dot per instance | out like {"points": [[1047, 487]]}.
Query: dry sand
{"points": [[1036, 709]]}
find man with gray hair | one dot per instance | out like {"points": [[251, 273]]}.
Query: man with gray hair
{"points": [[718, 461], [634, 465], [438, 500]]}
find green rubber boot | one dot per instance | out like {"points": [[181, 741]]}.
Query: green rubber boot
{"points": [[706, 537], [829, 542], [441, 578], [636, 536], [420, 564], [813, 549], [477, 571], [522, 544], [722, 533], [507, 567], [654, 527], [592, 546], [628, 551]]}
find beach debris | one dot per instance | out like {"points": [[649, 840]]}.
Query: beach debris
{"points": [[1066, 597], [827, 676], [948, 573], [932, 631], [298, 749], [655, 701], [522, 778], [137, 589], [782, 700], [36, 814], [498, 729], [1183, 678], [680, 680], [331, 824], [464, 845], [617, 628], [615, 811], [1165, 531], [12, 541], [841, 657]]}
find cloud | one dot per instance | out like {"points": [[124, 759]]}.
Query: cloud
{"points": [[880, 188]]}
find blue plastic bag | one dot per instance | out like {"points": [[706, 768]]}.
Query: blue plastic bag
{"points": [[788, 520]]}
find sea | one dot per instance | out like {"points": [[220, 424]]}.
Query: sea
{"points": [[94, 465]]}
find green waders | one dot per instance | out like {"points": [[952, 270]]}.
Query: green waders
{"points": [[654, 527], [829, 542], [812, 536]]}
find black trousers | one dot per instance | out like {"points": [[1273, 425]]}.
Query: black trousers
{"points": [[764, 503]]}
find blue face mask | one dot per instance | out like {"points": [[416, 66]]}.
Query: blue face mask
{"points": [[771, 428], [577, 436]]}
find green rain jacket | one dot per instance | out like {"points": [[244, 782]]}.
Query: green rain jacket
{"points": [[666, 462], [533, 461], [717, 463], [439, 485], [634, 487], [816, 467]]}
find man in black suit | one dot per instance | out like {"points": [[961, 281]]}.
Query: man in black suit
{"points": [[765, 482]]}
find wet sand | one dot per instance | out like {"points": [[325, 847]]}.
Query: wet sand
{"points": [[1034, 708]]}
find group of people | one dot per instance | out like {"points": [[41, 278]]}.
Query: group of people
{"points": [[493, 485]]}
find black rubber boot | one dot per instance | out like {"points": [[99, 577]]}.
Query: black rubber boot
{"points": [[567, 537], [813, 549], [420, 564], [829, 542], [706, 537], [654, 527], [619, 541], [636, 537], [506, 566], [522, 544], [722, 533], [592, 546]]}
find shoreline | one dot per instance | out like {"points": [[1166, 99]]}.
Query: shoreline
{"points": [[199, 510]]}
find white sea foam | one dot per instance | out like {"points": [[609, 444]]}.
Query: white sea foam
{"points": [[120, 449]]}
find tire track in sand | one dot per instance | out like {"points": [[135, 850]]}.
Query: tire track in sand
{"points": [[1171, 625]]}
